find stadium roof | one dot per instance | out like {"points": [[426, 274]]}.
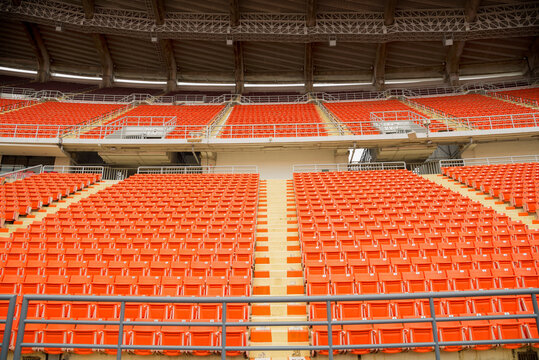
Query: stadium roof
{"points": [[370, 42]]}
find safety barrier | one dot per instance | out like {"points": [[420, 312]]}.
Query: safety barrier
{"points": [[236, 169], [65, 169], [8, 323], [329, 322], [349, 167], [489, 160]]}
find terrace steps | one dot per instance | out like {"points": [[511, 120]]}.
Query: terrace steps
{"points": [[278, 272], [331, 128]]}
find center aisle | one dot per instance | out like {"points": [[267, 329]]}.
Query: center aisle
{"points": [[278, 271]]}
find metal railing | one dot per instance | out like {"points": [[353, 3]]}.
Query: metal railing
{"points": [[110, 173], [8, 324], [394, 165], [265, 99], [530, 102], [490, 160], [427, 167], [22, 173], [248, 131], [329, 322], [10, 168], [233, 169], [65, 169]]}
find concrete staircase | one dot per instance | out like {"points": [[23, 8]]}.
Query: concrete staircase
{"points": [[25, 221], [517, 214], [278, 272]]}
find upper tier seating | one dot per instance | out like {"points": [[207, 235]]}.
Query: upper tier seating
{"points": [[4, 102], [306, 120], [530, 94], [516, 183], [395, 232], [189, 119], [356, 114], [56, 114], [152, 235], [34, 191], [477, 108]]}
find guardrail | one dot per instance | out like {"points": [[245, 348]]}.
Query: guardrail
{"points": [[22, 173], [490, 160], [329, 322], [233, 169], [246, 131], [261, 99], [8, 324], [394, 165], [73, 169], [530, 102]]}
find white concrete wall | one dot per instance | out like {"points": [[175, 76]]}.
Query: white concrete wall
{"points": [[502, 148], [277, 164]]}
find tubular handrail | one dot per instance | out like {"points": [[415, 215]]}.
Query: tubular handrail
{"points": [[232, 169], [8, 324], [390, 165], [74, 169], [490, 160], [328, 322]]}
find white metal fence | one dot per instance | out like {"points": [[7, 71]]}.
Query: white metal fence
{"points": [[490, 160], [233, 169], [395, 165]]}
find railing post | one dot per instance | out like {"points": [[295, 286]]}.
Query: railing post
{"points": [[535, 309], [121, 331], [223, 333], [434, 328], [330, 330], [8, 326], [20, 329]]}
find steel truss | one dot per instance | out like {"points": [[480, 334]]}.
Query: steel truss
{"points": [[492, 21]]}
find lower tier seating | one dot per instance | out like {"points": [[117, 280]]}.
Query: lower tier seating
{"points": [[516, 183], [149, 235], [34, 191], [392, 231]]}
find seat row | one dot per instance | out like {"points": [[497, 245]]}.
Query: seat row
{"points": [[35, 190], [237, 284]]}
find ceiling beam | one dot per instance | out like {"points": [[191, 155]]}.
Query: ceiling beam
{"points": [[158, 10], [89, 8], [308, 67], [172, 69], [452, 60], [310, 13], [239, 69], [470, 8], [389, 12], [107, 64], [533, 58], [234, 12], [40, 51], [379, 68]]}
